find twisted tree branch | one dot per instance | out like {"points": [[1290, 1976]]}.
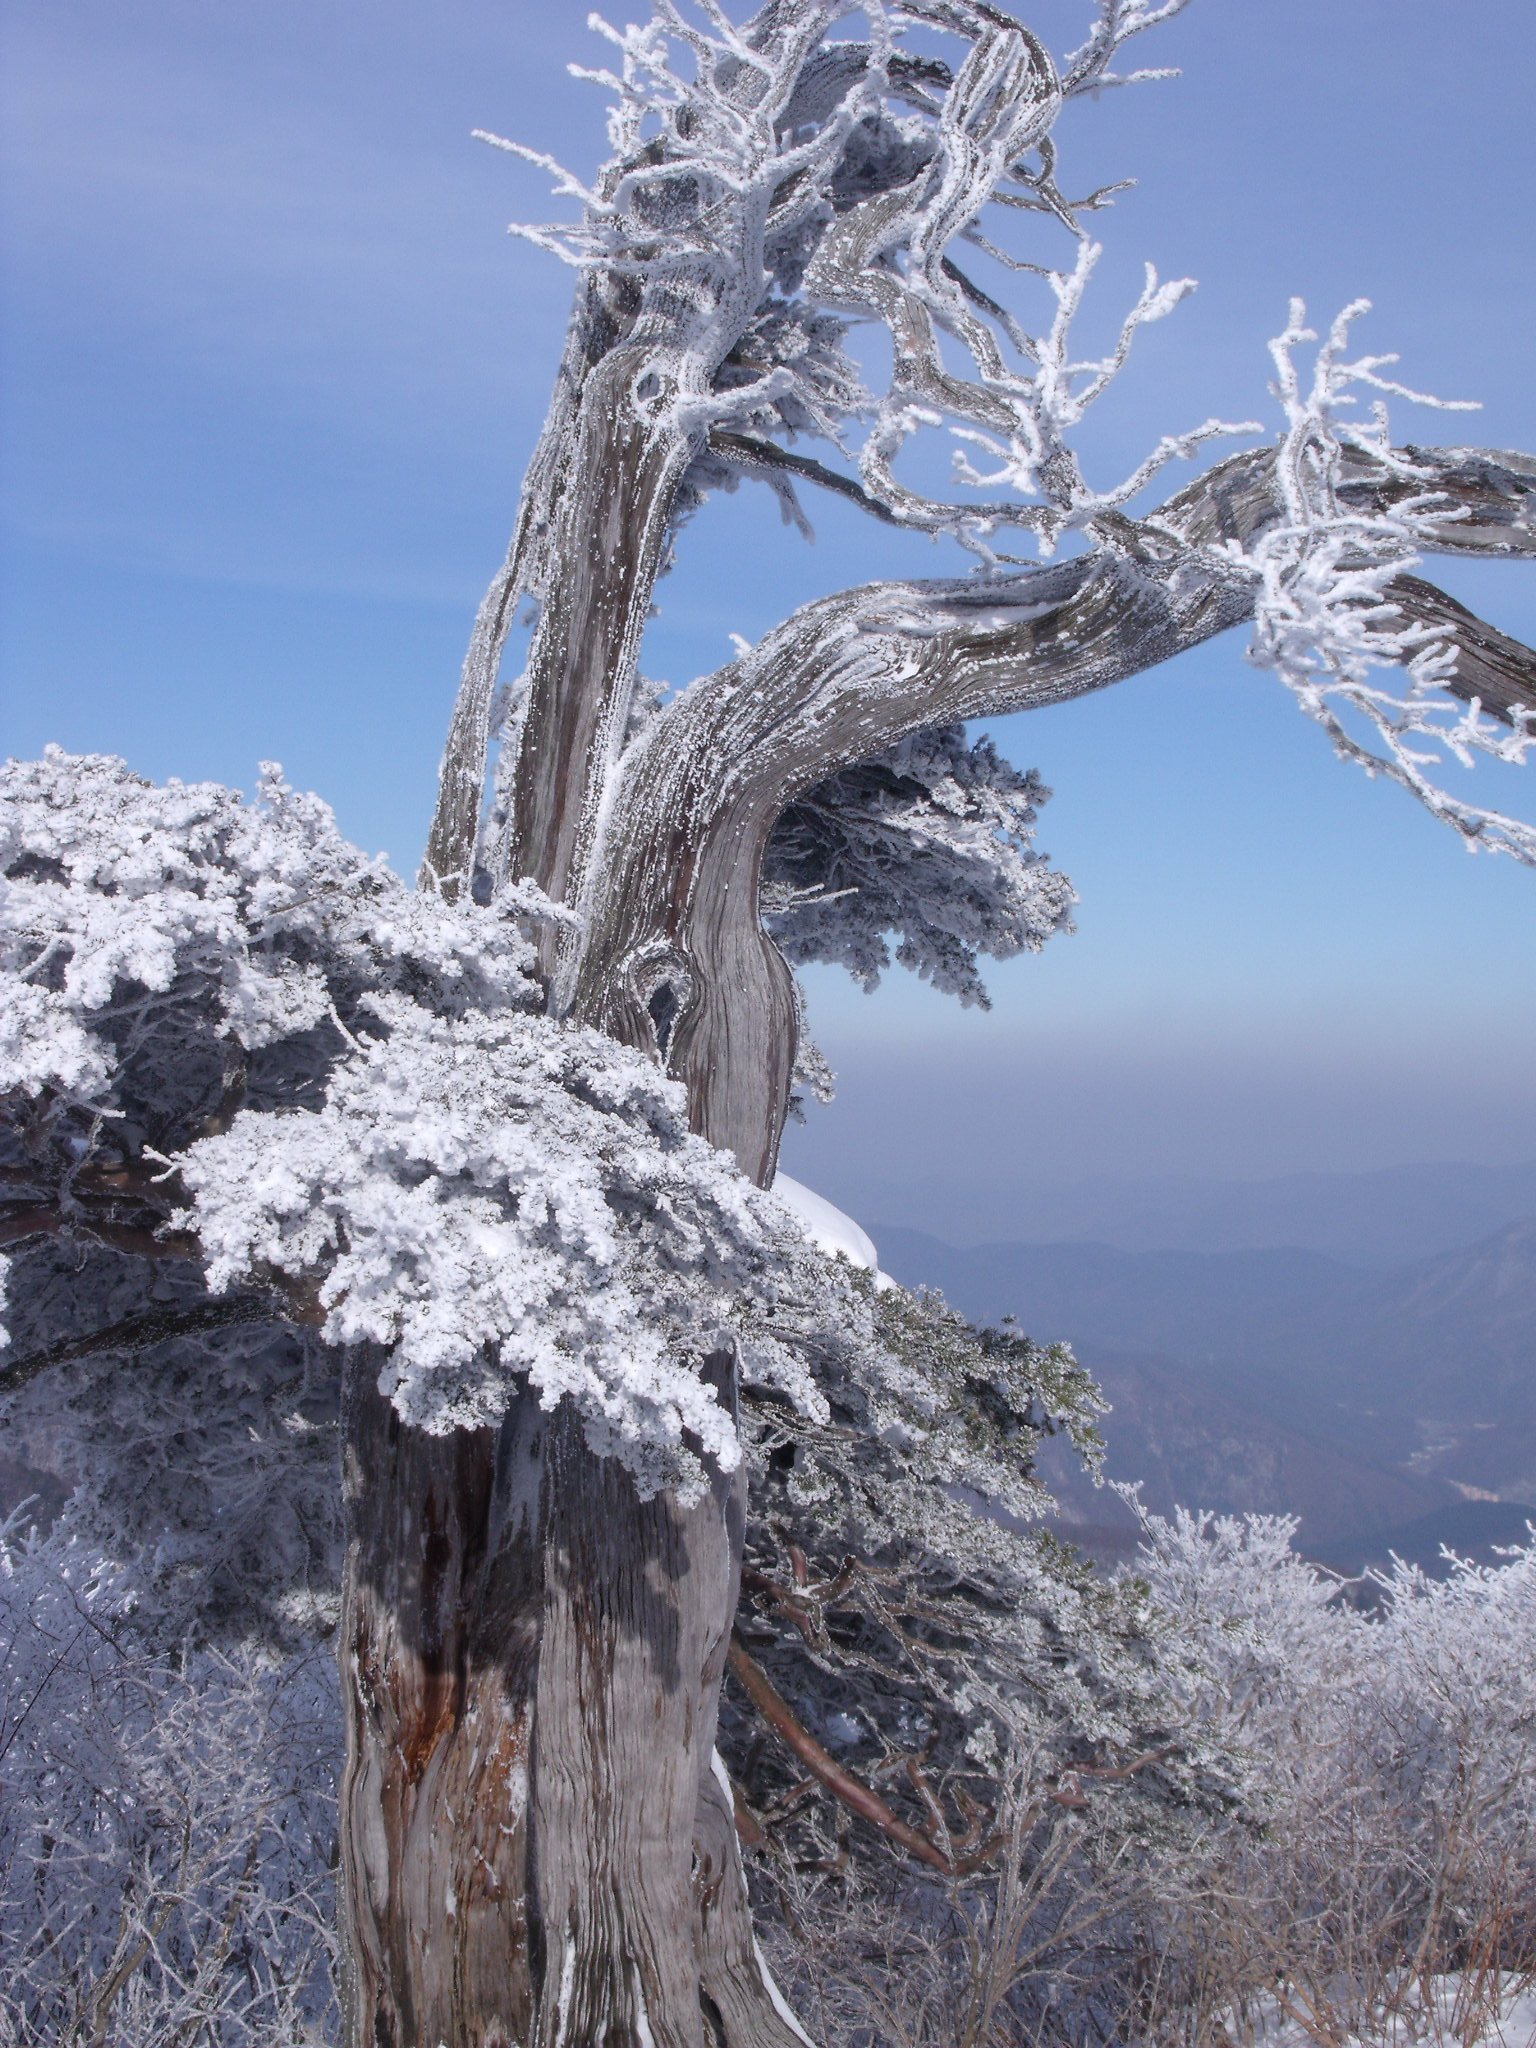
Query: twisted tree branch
{"points": [[858, 1797], [1491, 666]]}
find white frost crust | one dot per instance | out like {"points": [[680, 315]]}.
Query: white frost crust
{"points": [[493, 1196], [114, 884], [1324, 616], [497, 1197]]}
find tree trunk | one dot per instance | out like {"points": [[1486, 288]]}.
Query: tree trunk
{"points": [[535, 1846], [589, 543]]}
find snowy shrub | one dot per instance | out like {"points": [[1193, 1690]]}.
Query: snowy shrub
{"points": [[1384, 1767], [1336, 1840], [502, 1196], [166, 1822]]}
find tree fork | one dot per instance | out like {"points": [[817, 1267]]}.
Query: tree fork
{"points": [[671, 896]]}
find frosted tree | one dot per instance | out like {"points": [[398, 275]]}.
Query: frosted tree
{"points": [[1387, 1756], [504, 1140], [295, 1162], [773, 184]]}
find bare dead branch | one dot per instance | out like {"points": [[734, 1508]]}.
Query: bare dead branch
{"points": [[138, 1333], [858, 1797], [749, 452]]}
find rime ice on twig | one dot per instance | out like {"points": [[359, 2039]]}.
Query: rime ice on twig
{"points": [[1325, 617], [757, 196]]}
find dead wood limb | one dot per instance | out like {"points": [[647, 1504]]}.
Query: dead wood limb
{"points": [[1500, 672], [853, 1793], [138, 1333]]}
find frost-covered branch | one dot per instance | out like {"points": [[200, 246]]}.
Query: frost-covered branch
{"points": [[769, 183], [165, 1820], [1019, 415], [1329, 578]]}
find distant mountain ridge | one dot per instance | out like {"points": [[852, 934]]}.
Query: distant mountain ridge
{"points": [[1381, 1218], [1281, 1380]]}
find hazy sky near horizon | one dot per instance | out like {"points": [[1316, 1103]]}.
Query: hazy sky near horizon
{"points": [[271, 372]]}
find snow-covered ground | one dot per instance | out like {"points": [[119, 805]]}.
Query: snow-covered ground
{"points": [[1446, 2019], [829, 1228]]}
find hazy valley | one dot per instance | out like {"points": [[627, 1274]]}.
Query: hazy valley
{"points": [[1390, 1407]]}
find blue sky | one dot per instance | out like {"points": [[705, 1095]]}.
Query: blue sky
{"points": [[272, 369]]}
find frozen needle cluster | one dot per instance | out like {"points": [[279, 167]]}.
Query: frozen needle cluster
{"points": [[498, 1196]]}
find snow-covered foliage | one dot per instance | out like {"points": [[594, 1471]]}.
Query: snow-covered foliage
{"points": [[499, 1197], [931, 840], [1325, 618], [900, 1591], [191, 1437], [1333, 1840], [346, 1079], [1434, 1675], [116, 893], [1384, 1756], [229, 1007], [165, 1821]]}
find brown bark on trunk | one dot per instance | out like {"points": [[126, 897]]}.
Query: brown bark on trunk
{"points": [[534, 1846]]}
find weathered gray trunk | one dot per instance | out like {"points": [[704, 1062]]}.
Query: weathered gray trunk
{"points": [[587, 548], [535, 1847]]}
